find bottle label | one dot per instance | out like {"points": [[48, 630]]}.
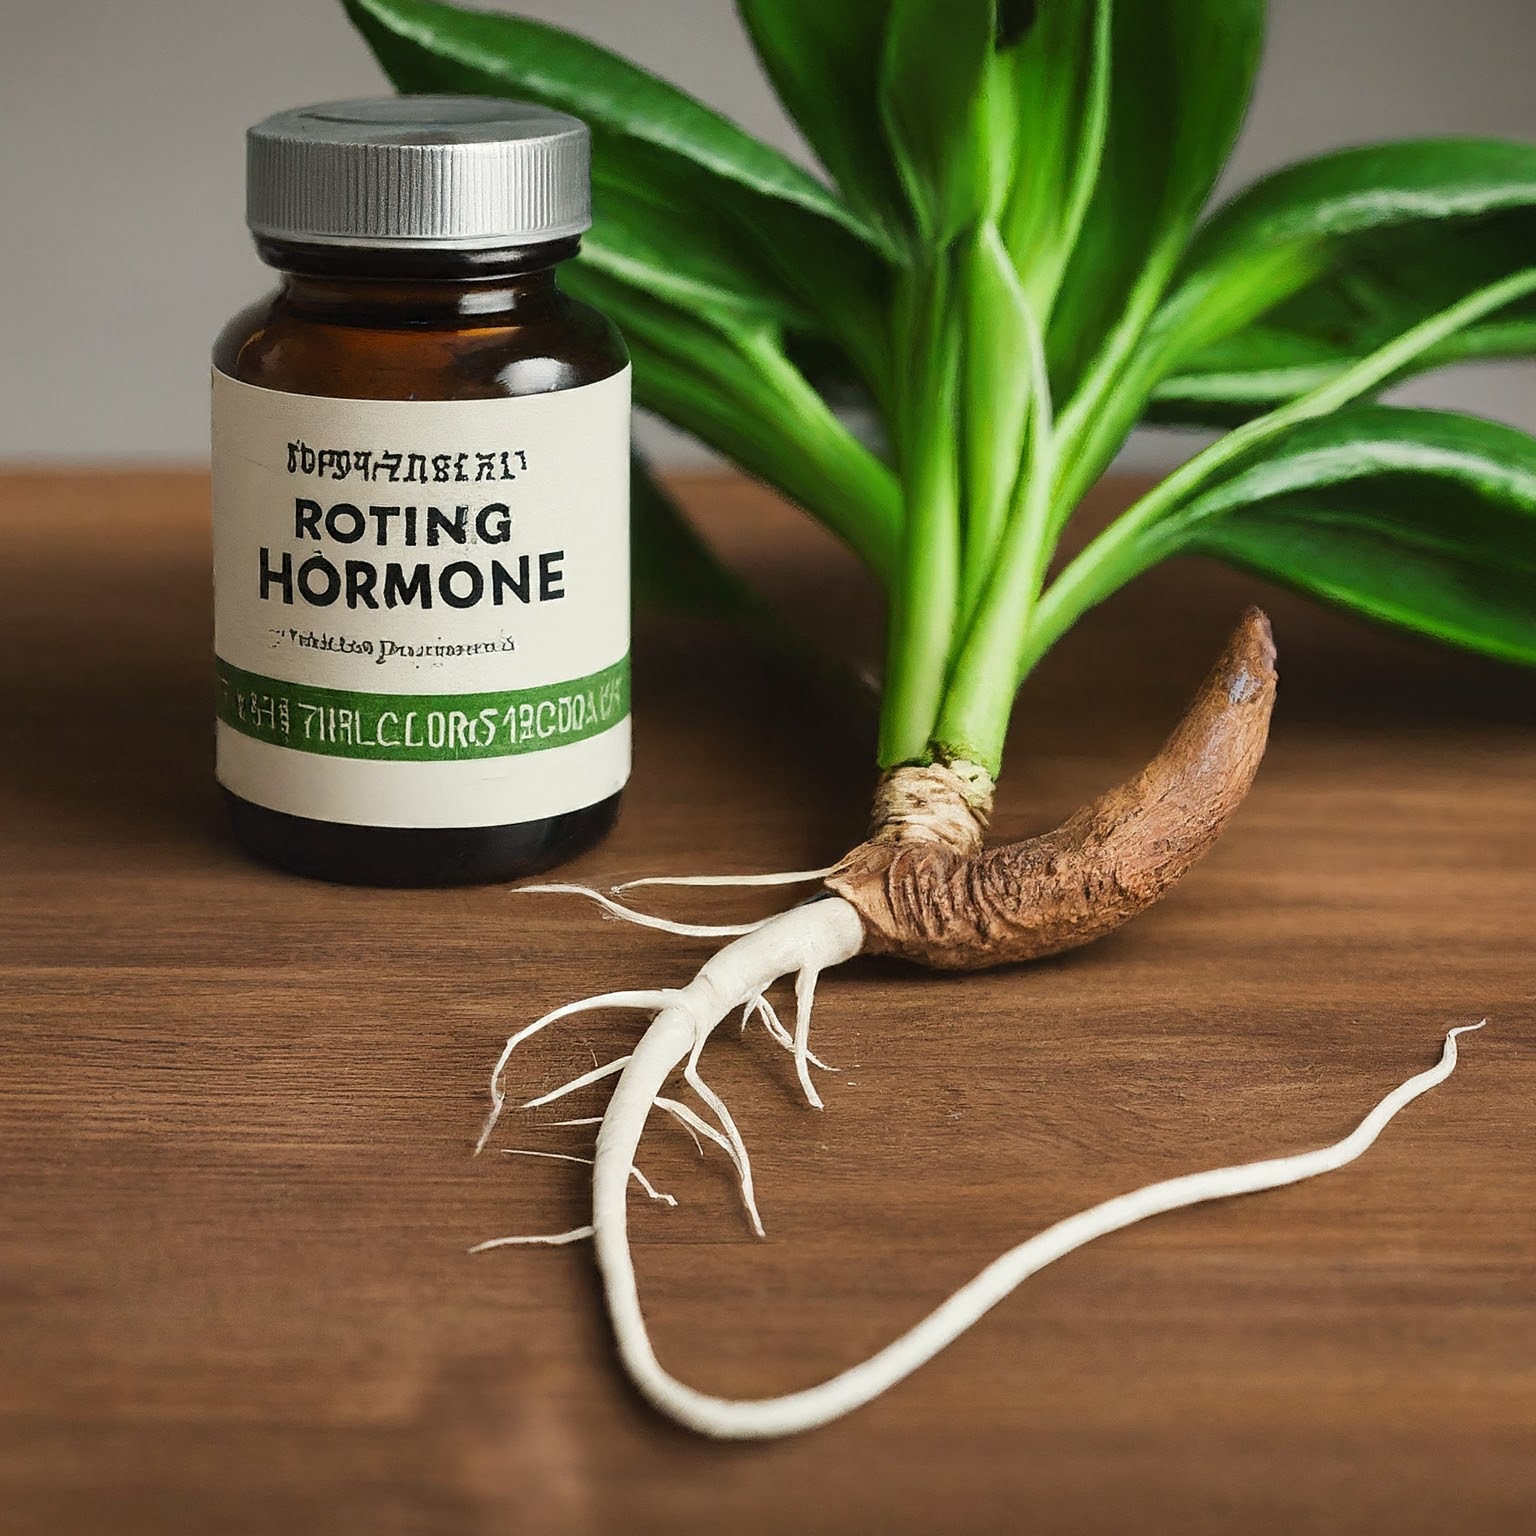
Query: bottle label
{"points": [[421, 607]]}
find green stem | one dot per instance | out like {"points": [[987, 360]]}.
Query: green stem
{"points": [[974, 717], [925, 595], [996, 406], [1090, 161], [1090, 429], [1189, 320], [1044, 262], [1130, 545]]}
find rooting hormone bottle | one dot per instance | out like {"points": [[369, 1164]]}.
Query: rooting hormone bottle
{"points": [[420, 501]]}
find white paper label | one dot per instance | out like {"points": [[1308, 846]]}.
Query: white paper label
{"points": [[421, 607]]}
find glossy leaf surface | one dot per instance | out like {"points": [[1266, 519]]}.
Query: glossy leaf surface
{"points": [[1052, 81], [932, 77], [1421, 519], [824, 61], [688, 202], [1181, 74], [1320, 264]]}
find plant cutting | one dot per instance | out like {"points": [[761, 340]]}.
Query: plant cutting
{"points": [[1011, 260]]}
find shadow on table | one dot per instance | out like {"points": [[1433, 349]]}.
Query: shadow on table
{"points": [[107, 691]]}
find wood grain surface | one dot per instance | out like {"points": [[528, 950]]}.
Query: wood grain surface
{"points": [[236, 1108]]}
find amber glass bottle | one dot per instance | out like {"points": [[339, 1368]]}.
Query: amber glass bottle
{"points": [[420, 502]]}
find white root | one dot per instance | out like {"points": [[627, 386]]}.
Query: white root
{"points": [[696, 1125], [819, 934], [650, 1188], [568, 1157], [690, 1120], [792, 877], [543, 1239], [805, 996], [558, 1157], [692, 1123], [650, 1001], [815, 936], [735, 1143], [657, 1055], [596, 1075], [802, 943], [645, 919], [769, 1015]]}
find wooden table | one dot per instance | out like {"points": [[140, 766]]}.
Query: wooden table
{"points": [[236, 1109]]}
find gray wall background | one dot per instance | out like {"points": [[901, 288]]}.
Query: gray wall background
{"points": [[122, 248]]}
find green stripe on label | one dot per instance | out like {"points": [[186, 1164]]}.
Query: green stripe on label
{"points": [[422, 728]]}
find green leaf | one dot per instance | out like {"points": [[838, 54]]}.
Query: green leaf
{"points": [[1421, 519], [636, 231], [1373, 187], [933, 103], [1144, 534], [426, 46], [687, 202], [1318, 265], [995, 399], [1180, 78], [824, 61], [1052, 80], [735, 390]]}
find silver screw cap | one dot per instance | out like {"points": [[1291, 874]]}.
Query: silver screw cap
{"points": [[460, 172]]}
